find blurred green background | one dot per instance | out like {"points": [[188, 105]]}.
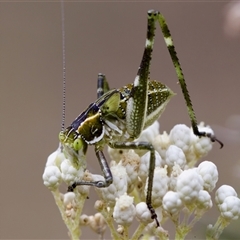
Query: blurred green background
{"points": [[105, 37]]}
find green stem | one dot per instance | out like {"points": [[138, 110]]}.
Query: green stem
{"points": [[138, 231], [125, 236], [181, 232], [109, 220], [72, 225], [182, 229], [215, 232]]}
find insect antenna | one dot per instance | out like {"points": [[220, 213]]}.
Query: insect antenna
{"points": [[64, 68]]}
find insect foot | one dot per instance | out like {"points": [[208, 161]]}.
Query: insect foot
{"points": [[209, 135]]}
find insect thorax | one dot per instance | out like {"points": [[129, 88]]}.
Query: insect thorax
{"points": [[115, 122]]}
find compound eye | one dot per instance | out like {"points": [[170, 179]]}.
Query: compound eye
{"points": [[77, 144]]}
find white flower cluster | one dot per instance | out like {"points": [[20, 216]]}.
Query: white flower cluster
{"points": [[228, 203], [59, 168], [178, 186]]}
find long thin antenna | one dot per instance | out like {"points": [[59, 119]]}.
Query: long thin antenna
{"points": [[64, 66]]}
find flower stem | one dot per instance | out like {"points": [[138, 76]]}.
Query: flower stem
{"points": [[72, 224]]}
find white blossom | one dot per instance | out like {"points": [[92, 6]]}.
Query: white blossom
{"points": [[223, 192], [172, 202], [189, 184], [84, 220], [68, 197], [124, 210], [230, 208], [181, 136], [70, 204], [209, 173], [175, 155], [69, 173], [143, 213], [118, 187], [84, 189], [204, 200], [52, 177], [97, 223]]}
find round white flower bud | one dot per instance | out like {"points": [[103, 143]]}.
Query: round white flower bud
{"points": [[172, 202], [204, 200], [120, 230], [118, 187], [209, 173], [84, 189], [69, 173], [99, 205], [174, 155], [189, 183], [97, 223], [143, 213], [124, 210], [68, 197], [230, 208], [181, 136], [223, 192], [69, 204], [52, 177], [84, 220]]}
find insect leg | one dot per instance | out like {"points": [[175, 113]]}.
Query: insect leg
{"points": [[105, 170], [138, 101], [137, 108], [102, 85], [143, 146], [171, 48]]}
